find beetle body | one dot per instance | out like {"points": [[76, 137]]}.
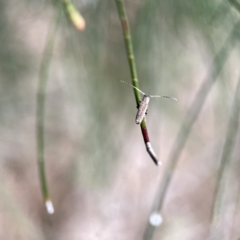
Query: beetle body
{"points": [[143, 105], [141, 113], [142, 109]]}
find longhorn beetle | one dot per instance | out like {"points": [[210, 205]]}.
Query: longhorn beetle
{"points": [[143, 105]]}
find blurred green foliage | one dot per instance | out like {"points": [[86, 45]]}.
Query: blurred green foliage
{"points": [[102, 180]]}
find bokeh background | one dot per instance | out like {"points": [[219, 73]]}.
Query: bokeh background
{"points": [[101, 179]]}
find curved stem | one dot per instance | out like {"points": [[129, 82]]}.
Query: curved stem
{"points": [[40, 109], [226, 158]]}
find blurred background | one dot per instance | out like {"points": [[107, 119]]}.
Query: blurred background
{"points": [[102, 181]]}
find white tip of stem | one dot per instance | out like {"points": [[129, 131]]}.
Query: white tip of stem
{"points": [[159, 163], [49, 207], [155, 219]]}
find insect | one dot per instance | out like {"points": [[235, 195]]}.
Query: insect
{"points": [[143, 105]]}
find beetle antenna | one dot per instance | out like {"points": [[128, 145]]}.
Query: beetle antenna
{"points": [[155, 96], [134, 87]]}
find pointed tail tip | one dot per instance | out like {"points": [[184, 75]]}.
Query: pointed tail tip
{"points": [[49, 206]]}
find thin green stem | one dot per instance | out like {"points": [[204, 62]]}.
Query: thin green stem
{"points": [[226, 158], [40, 111], [133, 70], [188, 123], [74, 15], [129, 47]]}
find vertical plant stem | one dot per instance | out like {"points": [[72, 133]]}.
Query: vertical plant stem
{"points": [[41, 93], [133, 70], [188, 123], [226, 158], [129, 47]]}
